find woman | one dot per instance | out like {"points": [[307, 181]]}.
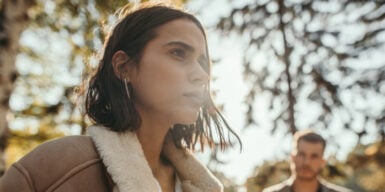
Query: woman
{"points": [[150, 102]]}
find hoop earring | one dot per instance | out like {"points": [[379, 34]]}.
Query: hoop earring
{"points": [[126, 87]]}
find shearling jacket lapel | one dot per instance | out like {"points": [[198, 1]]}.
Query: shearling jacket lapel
{"points": [[124, 159]]}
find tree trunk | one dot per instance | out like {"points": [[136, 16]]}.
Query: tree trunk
{"points": [[13, 20], [286, 60]]}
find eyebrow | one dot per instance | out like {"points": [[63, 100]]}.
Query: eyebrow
{"points": [[182, 44]]}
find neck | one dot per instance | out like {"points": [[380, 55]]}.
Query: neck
{"points": [[151, 140], [151, 135], [304, 185]]}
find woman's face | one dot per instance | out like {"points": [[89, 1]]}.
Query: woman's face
{"points": [[170, 81]]}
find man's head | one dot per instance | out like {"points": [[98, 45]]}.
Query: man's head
{"points": [[307, 155]]}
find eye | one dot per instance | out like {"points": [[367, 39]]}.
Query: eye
{"points": [[314, 156], [178, 52]]}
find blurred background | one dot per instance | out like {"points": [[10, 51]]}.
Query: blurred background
{"points": [[278, 66]]}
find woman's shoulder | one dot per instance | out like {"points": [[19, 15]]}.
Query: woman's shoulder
{"points": [[68, 147], [53, 162]]}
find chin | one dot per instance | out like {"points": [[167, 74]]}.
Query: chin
{"points": [[307, 177], [188, 121], [188, 118]]}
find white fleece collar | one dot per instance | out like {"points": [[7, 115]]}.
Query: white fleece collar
{"points": [[124, 159]]}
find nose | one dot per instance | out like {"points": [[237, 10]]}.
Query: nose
{"points": [[199, 76], [306, 160]]}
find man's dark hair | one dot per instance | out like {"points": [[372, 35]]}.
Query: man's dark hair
{"points": [[308, 136]]}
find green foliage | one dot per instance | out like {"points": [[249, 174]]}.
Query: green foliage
{"points": [[69, 33], [368, 164], [267, 174], [22, 141], [323, 55]]}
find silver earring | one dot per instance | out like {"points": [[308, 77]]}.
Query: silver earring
{"points": [[126, 87]]}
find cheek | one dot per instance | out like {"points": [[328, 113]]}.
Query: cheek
{"points": [[167, 86], [163, 88], [165, 76], [319, 164], [297, 160]]}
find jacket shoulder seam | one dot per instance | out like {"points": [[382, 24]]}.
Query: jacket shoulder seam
{"points": [[73, 172], [24, 172]]}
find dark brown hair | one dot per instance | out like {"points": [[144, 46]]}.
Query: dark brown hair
{"points": [[106, 101], [308, 136]]}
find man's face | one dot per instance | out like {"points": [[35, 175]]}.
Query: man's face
{"points": [[307, 160]]}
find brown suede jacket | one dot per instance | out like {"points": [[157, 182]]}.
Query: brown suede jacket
{"points": [[68, 164], [103, 161]]}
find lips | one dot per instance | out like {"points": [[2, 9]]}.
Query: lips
{"points": [[195, 97], [307, 169]]}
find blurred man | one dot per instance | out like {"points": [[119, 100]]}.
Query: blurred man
{"points": [[306, 163]]}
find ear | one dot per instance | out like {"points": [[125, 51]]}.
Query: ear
{"points": [[120, 63], [292, 157]]}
